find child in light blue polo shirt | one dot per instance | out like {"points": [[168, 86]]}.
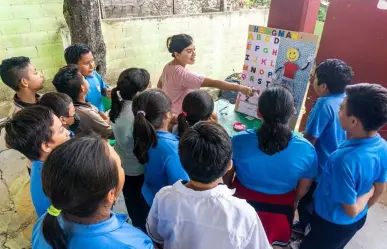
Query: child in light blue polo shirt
{"points": [[81, 55], [35, 131], [355, 175], [154, 145], [83, 179], [323, 128]]}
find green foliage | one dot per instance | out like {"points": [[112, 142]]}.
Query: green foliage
{"points": [[256, 3], [322, 13]]}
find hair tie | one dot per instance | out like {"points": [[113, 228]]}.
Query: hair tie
{"points": [[141, 112], [53, 211], [119, 95], [184, 114]]}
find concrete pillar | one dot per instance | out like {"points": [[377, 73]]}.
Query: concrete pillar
{"points": [[296, 15]]}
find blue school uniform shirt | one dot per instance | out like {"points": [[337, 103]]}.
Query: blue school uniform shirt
{"points": [[349, 173], [113, 233], [39, 199], [272, 174], [164, 167], [323, 123], [96, 88]]}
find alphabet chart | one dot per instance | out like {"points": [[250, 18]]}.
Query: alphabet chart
{"points": [[276, 57]]}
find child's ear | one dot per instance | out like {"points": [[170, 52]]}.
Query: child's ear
{"points": [[354, 121], [259, 114], [323, 87], [46, 148], [62, 120], [83, 88], [111, 196], [23, 83], [230, 164]]}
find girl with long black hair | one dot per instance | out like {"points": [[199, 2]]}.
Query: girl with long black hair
{"points": [[131, 82], [83, 179], [273, 166]]}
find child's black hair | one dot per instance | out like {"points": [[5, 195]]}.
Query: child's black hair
{"points": [[335, 73], [69, 81], [74, 53], [12, 70], [205, 152], [130, 82], [149, 109], [178, 43], [28, 129], [57, 102], [276, 106], [368, 102], [197, 106], [76, 177]]}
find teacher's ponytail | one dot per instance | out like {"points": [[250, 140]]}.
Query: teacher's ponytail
{"points": [[276, 106]]}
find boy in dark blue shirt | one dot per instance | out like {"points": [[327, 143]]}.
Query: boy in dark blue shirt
{"points": [[355, 175], [323, 128], [82, 56]]}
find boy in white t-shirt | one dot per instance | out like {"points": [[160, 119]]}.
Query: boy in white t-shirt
{"points": [[202, 213]]}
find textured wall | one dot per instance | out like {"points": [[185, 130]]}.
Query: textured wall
{"points": [[31, 28], [128, 8], [220, 40]]}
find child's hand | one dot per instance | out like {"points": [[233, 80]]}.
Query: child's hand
{"points": [[246, 90], [108, 93], [172, 123]]}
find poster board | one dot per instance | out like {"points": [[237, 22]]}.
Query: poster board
{"points": [[276, 57]]}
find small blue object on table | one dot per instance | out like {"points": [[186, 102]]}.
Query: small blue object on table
{"points": [[227, 117]]}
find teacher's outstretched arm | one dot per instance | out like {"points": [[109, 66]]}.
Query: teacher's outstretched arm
{"points": [[222, 85]]}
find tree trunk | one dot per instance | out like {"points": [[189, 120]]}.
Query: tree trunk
{"points": [[84, 21]]}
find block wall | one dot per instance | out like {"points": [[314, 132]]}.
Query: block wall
{"points": [[220, 40]]}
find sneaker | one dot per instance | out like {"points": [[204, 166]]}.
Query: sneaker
{"points": [[295, 244], [307, 229], [297, 228]]}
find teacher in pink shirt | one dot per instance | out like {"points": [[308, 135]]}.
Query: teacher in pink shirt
{"points": [[176, 81]]}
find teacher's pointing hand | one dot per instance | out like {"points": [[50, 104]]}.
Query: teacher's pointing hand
{"points": [[246, 90]]}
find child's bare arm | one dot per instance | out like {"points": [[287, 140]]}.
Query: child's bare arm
{"points": [[310, 138], [302, 188], [379, 190], [353, 210]]}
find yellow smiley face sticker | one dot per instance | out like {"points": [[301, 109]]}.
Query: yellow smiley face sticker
{"points": [[292, 54]]}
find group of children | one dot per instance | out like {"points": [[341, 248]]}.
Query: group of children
{"points": [[186, 183]]}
